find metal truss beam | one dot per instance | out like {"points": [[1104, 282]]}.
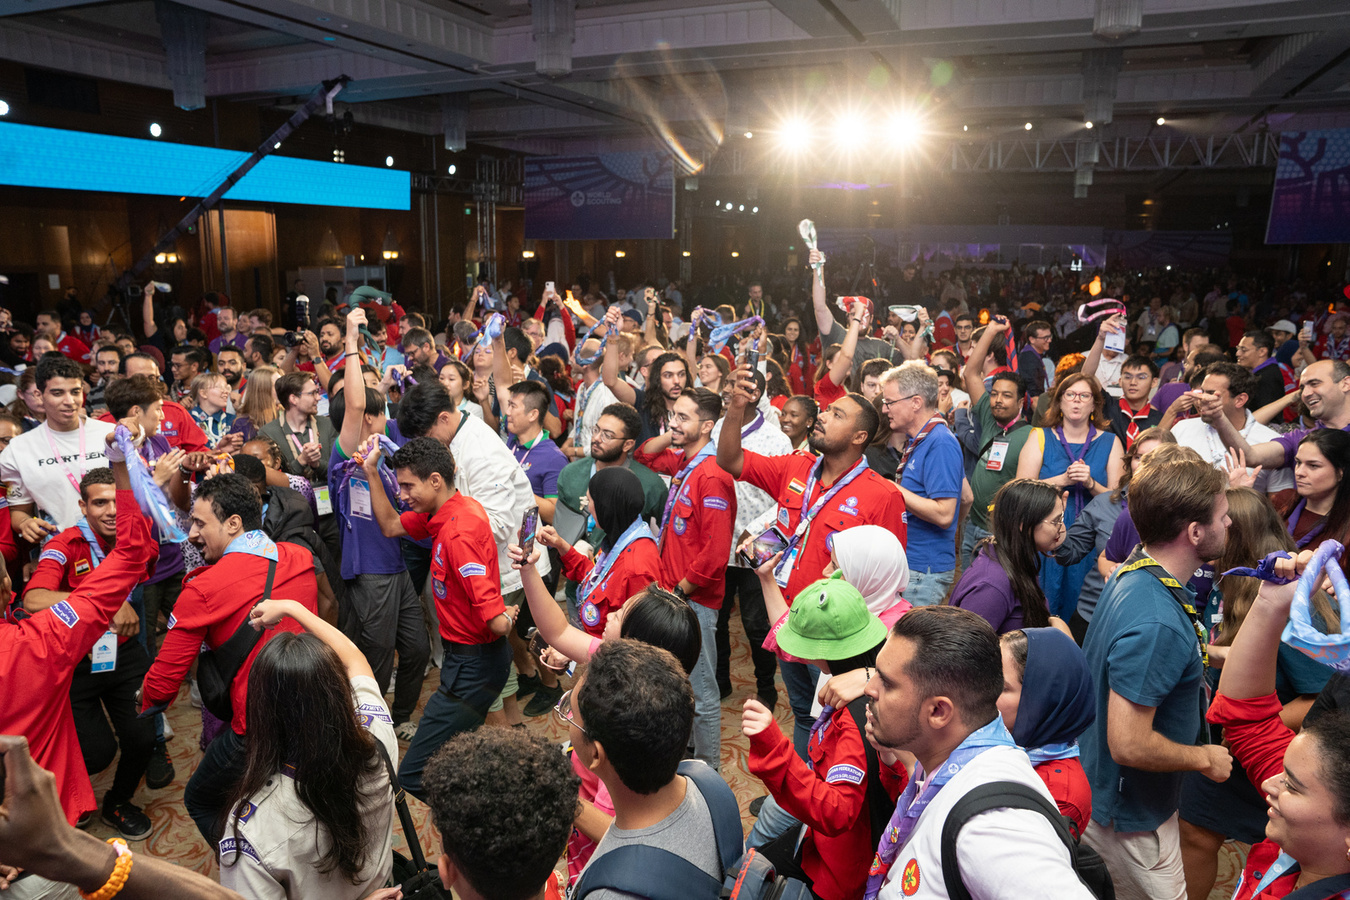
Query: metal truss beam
{"points": [[1122, 154]]}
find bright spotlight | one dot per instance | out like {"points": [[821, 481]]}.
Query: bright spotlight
{"points": [[1087, 125], [155, 130], [741, 208], [754, 209], [730, 205], [4, 108], [1027, 126], [1161, 120], [849, 127], [452, 169], [735, 254], [793, 134], [749, 134], [388, 160], [905, 128]]}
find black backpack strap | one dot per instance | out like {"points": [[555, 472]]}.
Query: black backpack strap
{"points": [[1324, 889], [401, 804], [994, 795], [230, 656], [648, 872], [879, 803], [722, 806]]}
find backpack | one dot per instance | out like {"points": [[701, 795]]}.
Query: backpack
{"points": [[661, 875], [1087, 865]]}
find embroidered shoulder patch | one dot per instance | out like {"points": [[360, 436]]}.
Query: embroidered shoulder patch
{"points": [[66, 613], [82, 567], [468, 570], [844, 773], [377, 711], [797, 486], [54, 555], [240, 846], [714, 503]]}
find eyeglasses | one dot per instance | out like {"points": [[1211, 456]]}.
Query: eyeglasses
{"points": [[563, 710], [607, 435], [1055, 523], [1136, 376], [1075, 395], [887, 404]]}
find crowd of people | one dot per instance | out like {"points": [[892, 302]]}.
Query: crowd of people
{"points": [[1016, 545]]}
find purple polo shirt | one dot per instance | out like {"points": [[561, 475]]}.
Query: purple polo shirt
{"points": [[985, 590], [1290, 441]]}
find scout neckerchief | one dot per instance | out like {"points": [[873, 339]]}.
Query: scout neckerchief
{"points": [[783, 571], [755, 424], [584, 397], [912, 804], [215, 424], [254, 543], [1139, 560], [95, 548], [1294, 516], [1132, 429], [350, 470], [913, 444], [1081, 455], [678, 487], [590, 613], [1337, 348]]}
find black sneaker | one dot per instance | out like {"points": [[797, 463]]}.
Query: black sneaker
{"points": [[84, 820], [130, 822], [527, 685], [160, 773], [757, 804], [543, 701]]}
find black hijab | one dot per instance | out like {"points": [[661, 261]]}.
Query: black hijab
{"points": [[617, 500]]}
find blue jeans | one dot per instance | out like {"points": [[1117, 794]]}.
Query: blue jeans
{"points": [[928, 588], [469, 684], [707, 697], [773, 821], [800, 680], [969, 538]]}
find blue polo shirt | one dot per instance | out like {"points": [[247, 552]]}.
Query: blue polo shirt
{"points": [[934, 471], [1142, 646], [365, 549]]}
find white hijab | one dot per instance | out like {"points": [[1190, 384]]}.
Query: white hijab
{"points": [[873, 561]]}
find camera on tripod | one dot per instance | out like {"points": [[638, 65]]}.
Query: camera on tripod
{"points": [[297, 337]]}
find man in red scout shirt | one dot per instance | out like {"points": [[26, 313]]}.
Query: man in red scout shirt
{"points": [[467, 584], [815, 500], [40, 651], [214, 604], [108, 677], [695, 542]]}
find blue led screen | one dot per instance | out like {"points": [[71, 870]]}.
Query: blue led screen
{"points": [[51, 158]]}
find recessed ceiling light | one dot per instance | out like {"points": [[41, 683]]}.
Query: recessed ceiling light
{"points": [[155, 130]]}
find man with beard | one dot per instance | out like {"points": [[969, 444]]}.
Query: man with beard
{"points": [[1148, 649], [107, 365], [667, 379], [815, 500], [230, 335], [243, 566], [938, 680], [230, 363]]}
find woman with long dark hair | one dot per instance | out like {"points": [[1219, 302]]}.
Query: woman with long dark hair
{"points": [[627, 559], [313, 810], [1322, 510], [1002, 585], [797, 419], [799, 369]]}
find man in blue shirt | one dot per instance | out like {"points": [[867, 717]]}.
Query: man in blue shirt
{"points": [[388, 615], [1146, 646], [924, 459]]}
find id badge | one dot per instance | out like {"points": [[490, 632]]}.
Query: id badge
{"points": [[360, 494], [324, 501], [104, 656], [783, 572], [998, 452]]}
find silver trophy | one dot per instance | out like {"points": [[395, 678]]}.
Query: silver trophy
{"points": [[807, 229]]}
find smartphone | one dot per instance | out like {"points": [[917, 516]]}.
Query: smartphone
{"points": [[763, 548], [752, 355], [528, 528], [1306, 334], [536, 641], [550, 288]]}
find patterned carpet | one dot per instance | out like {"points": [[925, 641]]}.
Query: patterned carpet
{"points": [[175, 837]]}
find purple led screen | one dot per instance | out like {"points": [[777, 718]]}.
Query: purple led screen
{"points": [[604, 197], [1311, 200]]}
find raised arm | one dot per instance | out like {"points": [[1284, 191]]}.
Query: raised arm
{"points": [[385, 514], [730, 455], [1273, 410], [1268, 454], [271, 611], [148, 310], [824, 318], [549, 618], [1112, 325], [353, 385], [691, 342], [502, 376], [842, 364], [973, 372]]}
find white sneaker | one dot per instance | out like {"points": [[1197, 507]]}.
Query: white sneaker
{"points": [[405, 731]]}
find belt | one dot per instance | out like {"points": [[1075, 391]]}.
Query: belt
{"points": [[471, 649]]}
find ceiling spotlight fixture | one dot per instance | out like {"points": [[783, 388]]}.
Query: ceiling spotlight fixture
{"points": [[4, 108], [741, 208], [527, 254], [155, 130], [389, 161], [1161, 120], [277, 145], [730, 204], [1088, 125], [749, 134], [685, 253], [735, 254], [965, 127], [452, 169], [1027, 126], [619, 254], [754, 209], [905, 128]]}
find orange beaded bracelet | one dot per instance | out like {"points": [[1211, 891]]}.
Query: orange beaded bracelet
{"points": [[118, 879]]}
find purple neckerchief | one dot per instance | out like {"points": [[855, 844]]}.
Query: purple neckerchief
{"points": [[717, 339], [1265, 569], [351, 468], [149, 495], [911, 804], [1294, 516], [1270, 362], [1301, 632], [1064, 442], [754, 426], [402, 379]]}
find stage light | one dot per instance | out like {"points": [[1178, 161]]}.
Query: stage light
{"points": [[619, 254], [172, 258], [452, 169], [389, 161], [965, 127], [527, 254], [1088, 125], [754, 209], [749, 135], [741, 208], [792, 134], [905, 128], [1161, 120], [1027, 126], [849, 127], [277, 145], [161, 259], [685, 253], [155, 130], [730, 204], [735, 254], [4, 108]]}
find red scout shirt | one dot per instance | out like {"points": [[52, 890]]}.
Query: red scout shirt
{"points": [[465, 578], [868, 500], [638, 565], [215, 601], [696, 529], [40, 652], [65, 563], [73, 347], [178, 428]]}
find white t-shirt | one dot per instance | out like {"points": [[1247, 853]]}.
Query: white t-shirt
{"points": [[590, 404], [1004, 854], [36, 475], [1203, 439], [278, 847]]}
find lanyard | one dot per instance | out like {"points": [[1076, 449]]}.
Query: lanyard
{"points": [[295, 441], [1150, 565], [605, 561], [783, 571], [529, 448], [1281, 866], [584, 397], [60, 460], [1080, 456], [677, 487], [913, 444]]}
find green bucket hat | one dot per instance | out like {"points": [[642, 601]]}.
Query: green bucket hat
{"points": [[829, 620]]}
